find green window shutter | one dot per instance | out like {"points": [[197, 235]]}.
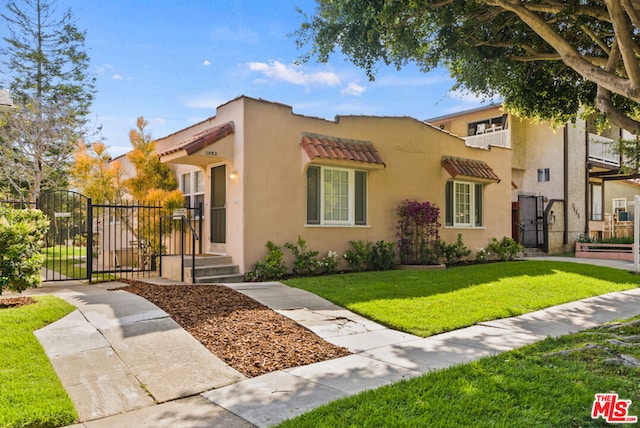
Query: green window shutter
{"points": [[313, 195], [361, 198], [478, 204], [448, 205]]}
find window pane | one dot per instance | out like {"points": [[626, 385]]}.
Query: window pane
{"points": [[463, 203], [336, 195], [185, 183], [199, 182]]}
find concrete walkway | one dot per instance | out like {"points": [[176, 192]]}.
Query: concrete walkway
{"points": [[124, 362]]}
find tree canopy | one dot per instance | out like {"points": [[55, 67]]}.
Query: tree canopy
{"points": [[96, 175], [154, 182], [46, 65], [546, 59]]}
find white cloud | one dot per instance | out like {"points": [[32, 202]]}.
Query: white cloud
{"points": [[117, 77], [159, 121], [206, 62], [101, 69], [294, 74], [353, 89]]}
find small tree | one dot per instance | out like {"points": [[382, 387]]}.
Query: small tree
{"points": [[95, 175], [21, 241], [418, 232]]}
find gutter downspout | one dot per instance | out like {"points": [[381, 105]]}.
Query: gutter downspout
{"points": [[565, 234]]}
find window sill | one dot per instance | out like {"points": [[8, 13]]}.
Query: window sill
{"points": [[466, 227], [359, 226]]}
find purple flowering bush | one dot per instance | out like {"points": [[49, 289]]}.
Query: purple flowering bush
{"points": [[418, 232]]}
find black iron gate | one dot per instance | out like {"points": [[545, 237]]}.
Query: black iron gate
{"points": [[531, 220], [92, 242], [67, 253]]}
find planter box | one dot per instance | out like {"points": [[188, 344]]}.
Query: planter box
{"points": [[593, 250], [421, 267]]}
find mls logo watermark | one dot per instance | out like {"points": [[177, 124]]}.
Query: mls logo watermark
{"points": [[612, 409]]}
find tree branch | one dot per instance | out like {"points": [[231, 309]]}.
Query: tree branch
{"points": [[623, 30], [632, 11], [569, 55]]}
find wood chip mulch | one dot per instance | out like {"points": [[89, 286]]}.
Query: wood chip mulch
{"points": [[245, 334], [15, 302]]}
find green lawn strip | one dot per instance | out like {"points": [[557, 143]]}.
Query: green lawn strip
{"points": [[65, 260], [30, 391], [531, 386], [431, 302]]}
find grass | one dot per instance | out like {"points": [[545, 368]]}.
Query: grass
{"points": [[425, 303], [66, 260], [30, 393], [531, 386]]}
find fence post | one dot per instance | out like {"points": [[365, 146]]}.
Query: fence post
{"points": [[89, 241]]}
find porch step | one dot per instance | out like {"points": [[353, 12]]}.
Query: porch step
{"points": [[533, 252], [216, 279], [209, 269]]}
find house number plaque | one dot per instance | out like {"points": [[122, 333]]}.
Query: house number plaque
{"points": [[210, 153]]}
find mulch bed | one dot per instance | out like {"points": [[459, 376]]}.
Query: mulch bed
{"points": [[245, 334], [15, 302]]}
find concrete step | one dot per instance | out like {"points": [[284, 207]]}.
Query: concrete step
{"points": [[212, 270], [220, 279], [202, 260], [533, 252]]}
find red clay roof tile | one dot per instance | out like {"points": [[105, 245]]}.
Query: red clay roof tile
{"points": [[468, 168], [334, 148], [202, 140]]}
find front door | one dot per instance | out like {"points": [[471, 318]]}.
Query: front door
{"points": [[531, 220], [218, 232]]}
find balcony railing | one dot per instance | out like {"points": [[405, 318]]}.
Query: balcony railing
{"points": [[495, 137], [602, 149]]}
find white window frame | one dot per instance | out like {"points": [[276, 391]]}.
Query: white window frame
{"points": [[454, 205], [351, 194], [194, 192]]}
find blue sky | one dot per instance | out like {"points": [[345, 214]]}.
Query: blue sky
{"points": [[173, 62]]}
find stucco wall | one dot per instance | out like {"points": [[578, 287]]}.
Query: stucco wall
{"points": [[274, 177]]}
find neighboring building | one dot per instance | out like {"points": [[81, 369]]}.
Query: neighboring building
{"points": [[558, 175], [5, 101], [263, 173]]}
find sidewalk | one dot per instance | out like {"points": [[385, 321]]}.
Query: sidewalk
{"points": [[124, 362]]}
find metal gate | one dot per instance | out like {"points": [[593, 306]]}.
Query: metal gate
{"points": [[531, 220], [97, 242], [67, 253]]}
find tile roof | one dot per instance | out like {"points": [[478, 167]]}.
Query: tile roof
{"points": [[471, 168], [202, 140], [333, 148]]}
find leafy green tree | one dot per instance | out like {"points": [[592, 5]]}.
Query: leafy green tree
{"points": [[47, 67], [546, 59]]}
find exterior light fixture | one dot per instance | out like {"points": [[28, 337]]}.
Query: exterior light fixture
{"points": [[233, 175]]}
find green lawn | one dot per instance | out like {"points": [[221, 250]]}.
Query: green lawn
{"points": [[66, 260], [534, 386], [431, 302], [30, 393]]}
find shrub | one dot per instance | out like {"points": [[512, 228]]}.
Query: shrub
{"points": [[359, 259], [418, 232], [305, 261], [271, 266], [383, 256], [329, 263], [504, 250], [453, 253], [21, 242]]}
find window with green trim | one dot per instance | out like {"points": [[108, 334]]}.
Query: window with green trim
{"points": [[463, 204], [336, 196]]}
